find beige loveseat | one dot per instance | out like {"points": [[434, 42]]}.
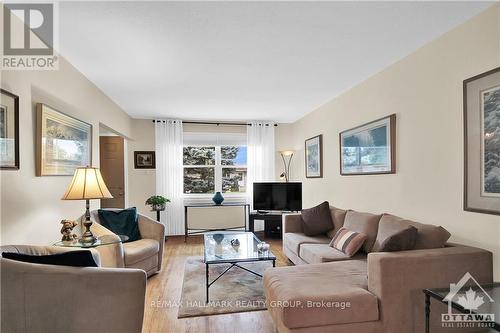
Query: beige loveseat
{"points": [[50, 298], [383, 289], [145, 253]]}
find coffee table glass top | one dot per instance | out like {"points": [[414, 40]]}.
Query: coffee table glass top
{"points": [[102, 240], [218, 248]]}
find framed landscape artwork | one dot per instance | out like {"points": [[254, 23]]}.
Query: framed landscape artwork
{"points": [[482, 143], [9, 131], [369, 148], [63, 143], [144, 159], [314, 157]]}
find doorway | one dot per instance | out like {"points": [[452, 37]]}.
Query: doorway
{"points": [[112, 164]]}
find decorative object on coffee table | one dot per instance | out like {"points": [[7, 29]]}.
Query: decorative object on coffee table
{"points": [[218, 198], [482, 143], [218, 238], [263, 247], [286, 164], [63, 143], [67, 230], [369, 149], [144, 160], [235, 243], [314, 157], [157, 203], [87, 184], [9, 131]]}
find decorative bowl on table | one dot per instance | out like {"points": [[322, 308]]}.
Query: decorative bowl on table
{"points": [[218, 238]]}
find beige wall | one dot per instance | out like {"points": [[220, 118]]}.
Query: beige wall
{"points": [[425, 91], [31, 207], [141, 182]]}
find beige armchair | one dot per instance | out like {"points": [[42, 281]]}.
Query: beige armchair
{"points": [[145, 253], [50, 298]]}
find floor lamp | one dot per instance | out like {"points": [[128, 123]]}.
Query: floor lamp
{"points": [[286, 165]]}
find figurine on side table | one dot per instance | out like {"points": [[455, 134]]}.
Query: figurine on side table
{"points": [[67, 230]]}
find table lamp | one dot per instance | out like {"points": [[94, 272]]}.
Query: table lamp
{"points": [[87, 184]]}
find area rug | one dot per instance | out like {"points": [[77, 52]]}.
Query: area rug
{"points": [[236, 291]]}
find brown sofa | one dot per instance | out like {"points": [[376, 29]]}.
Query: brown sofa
{"points": [[383, 289]]}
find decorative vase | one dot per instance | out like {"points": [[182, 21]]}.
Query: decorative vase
{"points": [[218, 198]]}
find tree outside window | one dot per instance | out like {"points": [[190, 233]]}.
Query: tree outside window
{"points": [[208, 169]]}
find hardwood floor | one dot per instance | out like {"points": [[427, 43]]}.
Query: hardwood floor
{"points": [[164, 289]]}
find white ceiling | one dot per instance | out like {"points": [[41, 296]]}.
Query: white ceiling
{"points": [[243, 60]]}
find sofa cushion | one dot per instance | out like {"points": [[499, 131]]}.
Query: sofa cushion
{"points": [[318, 253], [78, 258], [316, 295], [365, 223], [403, 240], [317, 220], [140, 250], [429, 236], [338, 217], [121, 222], [292, 241], [347, 241]]}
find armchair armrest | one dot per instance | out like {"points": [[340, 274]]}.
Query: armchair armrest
{"points": [[398, 278], [71, 299], [152, 229], [292, 223], [112, 255]]}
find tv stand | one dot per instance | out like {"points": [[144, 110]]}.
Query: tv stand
{"points": [[262, 212], [272, 223]]}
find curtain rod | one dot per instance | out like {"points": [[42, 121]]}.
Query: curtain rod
{"points": [[212, 123]]}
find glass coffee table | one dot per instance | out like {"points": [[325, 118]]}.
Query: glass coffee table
{"points": [[219, 250]]}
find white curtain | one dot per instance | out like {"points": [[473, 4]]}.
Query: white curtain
{"points": [[260, 155], [169, 173]]}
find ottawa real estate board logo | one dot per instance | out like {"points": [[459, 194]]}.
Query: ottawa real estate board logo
{"points": [[29, 36], [471, 297]]}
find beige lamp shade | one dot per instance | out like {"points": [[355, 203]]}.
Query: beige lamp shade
{"points": [[286, 152], [87, 184]]}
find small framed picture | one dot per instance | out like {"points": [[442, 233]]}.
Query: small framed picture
{"points": [[144, 160], [370, 148], [314, 157], [9, 131]]}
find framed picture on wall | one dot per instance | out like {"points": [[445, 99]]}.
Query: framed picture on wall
{"points": [[144, 160], [63, 143], [314, 157], [370, 148], [9, 131], [482, 143]]}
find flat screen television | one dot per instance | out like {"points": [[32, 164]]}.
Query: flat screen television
{"points": [[277, 196]]}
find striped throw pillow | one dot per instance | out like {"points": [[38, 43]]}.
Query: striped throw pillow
{"points": [[348, 241]]}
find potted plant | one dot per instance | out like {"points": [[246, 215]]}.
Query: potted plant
{"points": [[157, 202]]}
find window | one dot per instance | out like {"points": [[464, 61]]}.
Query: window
{"points": [[208, 169]]}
